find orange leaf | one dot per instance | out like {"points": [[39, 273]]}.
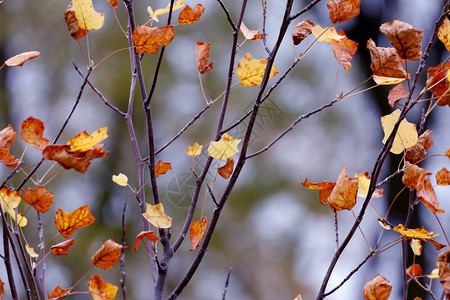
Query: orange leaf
{"points": [[21, 58], [344, 50], [62, 248], [226, 170], [190, 15], [113, 3], [343, 10], [443, 261], [344, 193], [144, 234], [416, 152], [156, 216], [301, 31], [202, 56], [107, 255], [377, 289], [7, 137], [325, 188], [443, 177], [439, 84], [447, 152], [58, 293], [72, 23], [414, 270], [253, 35], [196, 231], [397, 93], [66, 158], [39, 198], [411, 175], [2, 291], [32, 133], [385, 61], [83, 142], [101, 290], [148, 39], [406, 40], [162, 168], [68, 223], [418, 233]]}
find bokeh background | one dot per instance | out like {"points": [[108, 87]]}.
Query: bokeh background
{"points": [[275, 235]]}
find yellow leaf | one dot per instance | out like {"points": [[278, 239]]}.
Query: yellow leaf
{"points": [[416, 246], [86, 15], [418, 233], [101, 290], [156, 216], [363, 186], [250, 71], [22, 220], [434, 274], [381, 80], [196, 231], [83, 141], [195, 150], [154, 15], [444, 33], [68, 223], [328, 34], [9, 199], [224, 148], [20, 59], [31, 251], [120, 179], [406, 136]]}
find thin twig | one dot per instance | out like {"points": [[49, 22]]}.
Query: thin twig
{"points": [[122, 253], [227, 281], [230, 20]]}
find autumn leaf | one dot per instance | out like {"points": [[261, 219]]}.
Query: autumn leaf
{"points": [[381, 80], [444, 33], [397, 93], [7, 137], [9, 200], [20, 59], [156, 216], [39, 198], [202, 57], [416, 246], [418, 233], [58, 293], [148, 39], [325, 188], [301, 31], [439, 84], [195, 150], [190, 15], [344, 50], [68, 223], [443, 261], [226, 170], [411, 175], [84, 142], [66, 158], [385, 62], [144, 234], [343, 10], [447, 152], [196, 232], [416, 152], [120, 179], [162, 168], [250, 71], [443, 177], [343, 195], [406, 40], [86, 15], [62, 248], [31, 252], [32, 133], [101, 290], [377, 289], [328, 34], [72, 23], [2, 291], [414, 270], [113, 3], [224, 148], [364, 184], [253, 35], [107, 255], [406, 135], [154, 15]]}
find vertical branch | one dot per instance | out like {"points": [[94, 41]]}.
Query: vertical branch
{"points": [[42, 246], [122, 254], [7, 257]]}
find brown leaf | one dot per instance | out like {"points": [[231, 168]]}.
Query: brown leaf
{"points": [[66, 158], [68, 223], [253, 35], [406, 40], [426, 194], [58, 293], [162, 168], [443, 261], [416, 152], [101, 290], [344, 50], [202, 57], [107, 255], [190, 15], [7, 137], [2, 291], [447, 152], [343, 10], [226, 170], [39, 198], [443, 177], [439, 84], [344, 193], [72, 23], [414, 270], [397, 93], [301, 31], [325, 188], [196, 232], [148, 39], [21, 58], [411, 175], [144, 234], [385, 61], [32, 133], [377, 289], [113, 3], [62, 248]]}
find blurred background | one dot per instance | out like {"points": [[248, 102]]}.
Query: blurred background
{"points": [[274, 234]]}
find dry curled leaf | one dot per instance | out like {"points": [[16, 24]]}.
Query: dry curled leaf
{"points": [[148, 39], [101, 290], [62, 248], [439, 84], [414, 270], [58, 293], [72, 23], [344, 50], [343, 195], [107, 255], [7, 137], [196, 232], [162, 168], [202, 57], [301, 31], [226, 170], [68, 223], [253, 35], [385, 62], [32, 133], [66, 158], [39, 198], [417, 233], [144, 234], [443, 177], [377, 289], [416, 152], [443, 261], [406, 40], [250, 71], [20, 59], [344, 10], [190, 15], [325, 188], [397, 93]]}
